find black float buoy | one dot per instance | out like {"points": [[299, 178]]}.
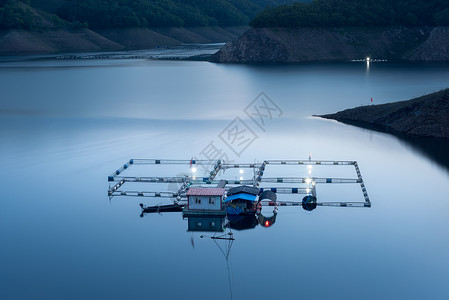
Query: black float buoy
{"points": [[309, 203]]}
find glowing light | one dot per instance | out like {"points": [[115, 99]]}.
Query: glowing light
{"points": [[241, 178], [194, 177], [308, 180], [193, 170], [267, 223], [241, 171], [307, 190], [368, 59]]}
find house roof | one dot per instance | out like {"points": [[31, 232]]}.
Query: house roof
{"points": [[205, 192]]}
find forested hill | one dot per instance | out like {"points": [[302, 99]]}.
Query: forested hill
{"points": [[337, 13], [98, 14], [19, 15]]}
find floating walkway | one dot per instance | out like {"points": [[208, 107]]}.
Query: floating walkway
{"points": [[300, 185]]}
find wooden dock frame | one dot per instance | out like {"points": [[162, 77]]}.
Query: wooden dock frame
{"points": [[216, 166]]}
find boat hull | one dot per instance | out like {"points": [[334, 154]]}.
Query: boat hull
{"points": [[162, 208]]}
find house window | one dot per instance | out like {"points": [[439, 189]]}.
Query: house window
{"points": [[198, 200], [211, 200]]}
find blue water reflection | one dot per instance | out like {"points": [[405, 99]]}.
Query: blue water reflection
{"points": [[63, 129]]}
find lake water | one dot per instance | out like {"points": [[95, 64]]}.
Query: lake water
{"points": [[66, 125]]}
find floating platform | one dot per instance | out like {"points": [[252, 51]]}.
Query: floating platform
{"points": [[300, 185]]}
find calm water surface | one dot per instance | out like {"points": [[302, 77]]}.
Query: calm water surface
{"points": [[66, 125]]}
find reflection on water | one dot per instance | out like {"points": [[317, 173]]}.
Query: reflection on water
{"points": [[224, 241], [435, 149], [220, 231], [206, 223], [62, 238]]}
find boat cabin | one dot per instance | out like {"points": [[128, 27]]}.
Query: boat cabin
{"points": [[242, 200]]}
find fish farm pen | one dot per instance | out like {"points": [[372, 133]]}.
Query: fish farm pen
{"points": [[215, 175]]}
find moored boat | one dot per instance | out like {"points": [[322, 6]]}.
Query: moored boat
{"points": [[175, 207], [242, 200]]}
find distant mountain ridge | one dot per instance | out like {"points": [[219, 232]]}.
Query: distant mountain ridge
{"points": [[24, 29], [342, 30], [96, 14], [338, 13]]}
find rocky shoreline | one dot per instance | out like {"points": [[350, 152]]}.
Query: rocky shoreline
{"points": [[426, 116], [294, 45]]}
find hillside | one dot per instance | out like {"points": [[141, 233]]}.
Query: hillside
{"points": [[19, 41], [44, 41], [27, 30], [424, 116], [303, 44], [156, 13], [53, 26], [18, 15], [30, 31], [342, 30], [338, 13]]}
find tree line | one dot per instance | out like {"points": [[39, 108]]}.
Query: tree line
{"points": [[277, 13], [334, 13], [138, 13], [13, 15], [162, 13]]}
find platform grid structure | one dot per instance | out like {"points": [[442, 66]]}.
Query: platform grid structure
{"points": [[300, 185]]}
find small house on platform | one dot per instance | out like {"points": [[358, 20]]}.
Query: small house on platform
{"points": [[205, 199]]}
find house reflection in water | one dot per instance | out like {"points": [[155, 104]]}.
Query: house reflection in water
{"points": [[242, 222], [206, 223], [217, 222]]}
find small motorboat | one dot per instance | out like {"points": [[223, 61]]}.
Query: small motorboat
{"points": [[175, 207]]}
